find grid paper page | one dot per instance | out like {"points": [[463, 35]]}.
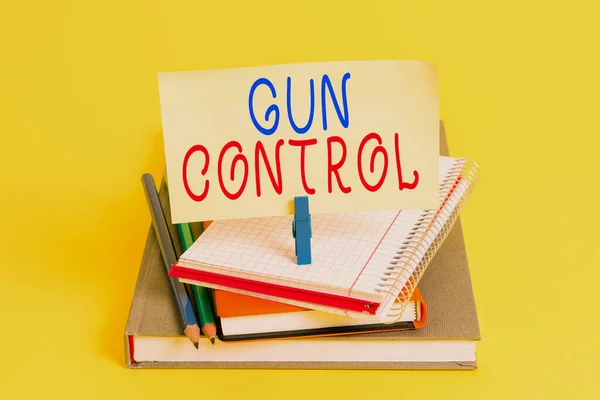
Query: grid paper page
{"points": [[350, 251], [376, 273]]}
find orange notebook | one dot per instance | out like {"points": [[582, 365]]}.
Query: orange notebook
{"points": [[241, 318]]}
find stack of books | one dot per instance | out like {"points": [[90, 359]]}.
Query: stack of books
{"points": [[386, 290]]}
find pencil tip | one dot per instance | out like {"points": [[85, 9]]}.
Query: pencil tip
{"points": [[212, 340], [196, 345]]}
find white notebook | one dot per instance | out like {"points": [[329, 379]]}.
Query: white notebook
{"points": [[364, 264], [293, 321]]}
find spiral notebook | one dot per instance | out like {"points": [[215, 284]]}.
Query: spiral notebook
{"points": [[364, 264]]}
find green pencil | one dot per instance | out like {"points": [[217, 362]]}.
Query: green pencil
{"points": [[203, 306], [200, 294]]}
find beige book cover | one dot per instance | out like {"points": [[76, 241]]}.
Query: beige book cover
{"points": [[445, 286]]}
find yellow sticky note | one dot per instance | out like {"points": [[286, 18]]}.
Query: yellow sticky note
{"points": [[360, 135]]}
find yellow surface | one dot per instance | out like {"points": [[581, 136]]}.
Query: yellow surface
{"points": [[80, 123]]}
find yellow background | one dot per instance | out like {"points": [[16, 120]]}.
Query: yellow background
{"points": [[80, 123]]}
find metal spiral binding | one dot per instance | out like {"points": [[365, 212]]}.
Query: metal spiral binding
{"points": [[415, 254]]}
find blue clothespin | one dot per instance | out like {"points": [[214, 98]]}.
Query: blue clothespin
{"points": [[302, 230]]}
